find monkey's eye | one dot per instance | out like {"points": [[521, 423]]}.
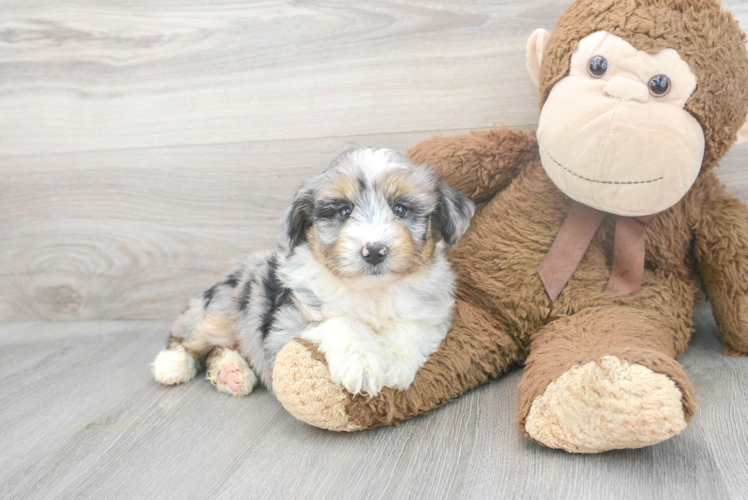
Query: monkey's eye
{"points": [[344, 213], [400, 211], [598, 67], [659, 85]]}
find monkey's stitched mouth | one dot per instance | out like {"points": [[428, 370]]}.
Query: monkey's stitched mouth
{"points": [[598, 181]]}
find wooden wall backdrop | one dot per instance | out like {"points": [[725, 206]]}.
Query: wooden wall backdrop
{"points": [[144, 144]]}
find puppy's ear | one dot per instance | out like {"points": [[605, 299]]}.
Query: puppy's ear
{"points": [[453, 213], [298, 217]]}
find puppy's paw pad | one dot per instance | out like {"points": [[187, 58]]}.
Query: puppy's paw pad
{"points": [[231, 374], [174, 366]]}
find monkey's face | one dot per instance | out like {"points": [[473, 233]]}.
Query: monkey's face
{"points": [[613, 134]]}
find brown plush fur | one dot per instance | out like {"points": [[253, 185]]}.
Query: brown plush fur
{"points": [[503, 315]]}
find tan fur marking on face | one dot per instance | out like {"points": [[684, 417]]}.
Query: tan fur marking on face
{"points": [[398, 184], [343, 186], [314, 245], [335, 253], [213, 330], [409, 256], [324, 254]]}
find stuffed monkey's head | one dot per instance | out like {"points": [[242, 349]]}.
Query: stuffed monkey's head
{"points": [[638, 97]]}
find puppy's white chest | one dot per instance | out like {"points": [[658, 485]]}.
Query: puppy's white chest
{"points": [[376, 308]]}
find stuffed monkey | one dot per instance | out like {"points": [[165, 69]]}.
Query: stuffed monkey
{"points": [[585, 262]]}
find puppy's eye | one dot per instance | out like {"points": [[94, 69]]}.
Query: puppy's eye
{"points": [[598, 67], [344, 213], [400, 211]]}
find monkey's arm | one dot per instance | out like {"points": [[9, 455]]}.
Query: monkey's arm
{"points": [[721, 252], [480, 164]]}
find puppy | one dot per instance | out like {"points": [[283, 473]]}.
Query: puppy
{"points": [[361, 272]]}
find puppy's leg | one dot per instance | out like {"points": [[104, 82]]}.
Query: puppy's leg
{"points": [[192, 337], [210, 321], [355, 358], [230, 372], [409, 345]]}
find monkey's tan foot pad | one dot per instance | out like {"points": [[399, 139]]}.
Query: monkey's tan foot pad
{"points": [[230, 373], [606, 406], [302, 383]]}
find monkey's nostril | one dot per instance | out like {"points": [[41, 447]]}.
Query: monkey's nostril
{"points": [[374, 253]]}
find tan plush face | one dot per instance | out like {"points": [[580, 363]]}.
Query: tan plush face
{"points": [[613, 134]]}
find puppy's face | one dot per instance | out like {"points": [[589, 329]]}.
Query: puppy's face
{"points": [[373, 213]]}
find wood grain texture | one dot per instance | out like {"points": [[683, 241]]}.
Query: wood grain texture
{"points": [[133, 234], [92, 77], [82, 418], [145, 145]]}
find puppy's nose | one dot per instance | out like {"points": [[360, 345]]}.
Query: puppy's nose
{"points": [[374, 253]]}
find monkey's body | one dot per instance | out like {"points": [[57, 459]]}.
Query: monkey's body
{"points": [[504, 316], [600, 368]]}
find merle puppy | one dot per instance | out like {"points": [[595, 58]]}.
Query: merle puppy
{"points": [[361, 272]]}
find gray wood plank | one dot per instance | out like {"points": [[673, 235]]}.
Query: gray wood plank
{"points": [[82, 418], [723, 413], [93, 76]]}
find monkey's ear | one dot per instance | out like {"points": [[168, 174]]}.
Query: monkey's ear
{"points": [[298, 217], [535, 46], [743, 133]]}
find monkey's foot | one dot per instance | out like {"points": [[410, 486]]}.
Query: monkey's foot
{"points": [[606, 406], [230, 372]]}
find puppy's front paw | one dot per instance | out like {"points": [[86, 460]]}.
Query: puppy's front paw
{"points": [[399, 375], [358, 372]]}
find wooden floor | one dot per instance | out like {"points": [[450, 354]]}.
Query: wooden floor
{"points": [[81, 417], [144, 144]]}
